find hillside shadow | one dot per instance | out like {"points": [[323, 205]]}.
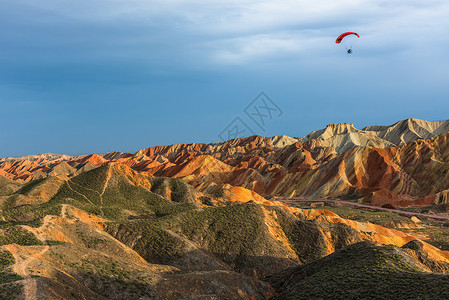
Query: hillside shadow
{"points": [[200, 260]]}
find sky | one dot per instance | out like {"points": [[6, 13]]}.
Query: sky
{"points": [[93, 76]]}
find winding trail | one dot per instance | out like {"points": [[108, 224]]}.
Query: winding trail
{"points": [[398, 211], [68, 184], [25, 260], [29, 283], [108, 178], [64, 212]]}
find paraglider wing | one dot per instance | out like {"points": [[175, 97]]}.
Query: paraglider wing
{"points": [[343, 35], [348, 39]]}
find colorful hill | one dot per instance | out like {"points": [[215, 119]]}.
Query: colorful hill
{"points": [[402, 165], [113, 232]]}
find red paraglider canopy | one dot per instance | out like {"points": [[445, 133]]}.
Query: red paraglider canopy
{"points": [[343, 35]]}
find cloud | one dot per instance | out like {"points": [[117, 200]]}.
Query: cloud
{"points": [[190, 56], [194, 32]]}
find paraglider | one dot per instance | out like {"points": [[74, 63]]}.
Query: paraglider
{"points": [[347, 39]]}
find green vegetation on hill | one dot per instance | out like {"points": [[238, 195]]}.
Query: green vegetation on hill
{"points": [[112, 279], [10, 202], [159, 186], [20, 236], [6, 259], [30, 185], [206, 201], [30, 215], [379, 217], [237, 234], [93, 180], [361, 271], [179, 191], [165, 225], [309, 238], [8, 186], [8, 288], [229, 230], [218, 194], [94, 192], [155, 244], [437, 233]]}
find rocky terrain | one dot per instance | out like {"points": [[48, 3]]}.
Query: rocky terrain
{"points": [[205, 221], [114, 233], [402, 165]]}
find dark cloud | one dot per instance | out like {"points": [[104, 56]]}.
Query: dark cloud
{"points": [[156, 56]]}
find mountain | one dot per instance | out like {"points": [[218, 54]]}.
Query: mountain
{"points": [[409, 130], [156, 225], [115, 233], [353, 272], [49, 157], [8, 186], [401, 165], [343, 137]]}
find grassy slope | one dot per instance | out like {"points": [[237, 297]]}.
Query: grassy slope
{"points": [[235, 234], [431, 231], [361, 271], [176, 231], [9, 289], [86, 192], [8, 186]]}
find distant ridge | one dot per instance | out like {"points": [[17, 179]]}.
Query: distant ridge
{"points": [[401, 165], [340, 137], [343, 137], [44, 156]]}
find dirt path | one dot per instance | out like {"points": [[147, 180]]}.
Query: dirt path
{"points": [[29, 283], [398, 211], [25, 262], [27, 259], [68, 184], [108, 178], [64, 211]]}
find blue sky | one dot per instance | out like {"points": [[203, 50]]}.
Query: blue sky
{"points": [[96, 76]]}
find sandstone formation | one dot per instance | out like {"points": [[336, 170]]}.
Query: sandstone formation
{"points": [[402, 165]]}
